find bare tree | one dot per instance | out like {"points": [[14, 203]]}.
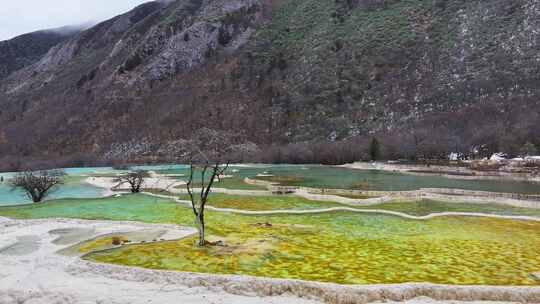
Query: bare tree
{"points": [[374, 149], [198, 201], [135, 180], [38, 184]]}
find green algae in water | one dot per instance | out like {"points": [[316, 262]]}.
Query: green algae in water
{"points": [[113, 240], [145, 208], [426, 206], [236, 183], [344, 178], [263, 203], [74, 187], [353, 249], [137, 207], [415, 207], [339, 247], [150, 209]]}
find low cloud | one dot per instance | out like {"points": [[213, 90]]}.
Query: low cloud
{"points": [[23, 16]]}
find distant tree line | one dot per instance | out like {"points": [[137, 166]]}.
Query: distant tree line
{"points": [[433, 139], [412, 146]]}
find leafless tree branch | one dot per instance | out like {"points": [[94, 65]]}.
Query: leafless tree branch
{"points": [[134, 179], [37, 184]]}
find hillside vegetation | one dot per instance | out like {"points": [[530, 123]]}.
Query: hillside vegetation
{"points": [[425, 77]]}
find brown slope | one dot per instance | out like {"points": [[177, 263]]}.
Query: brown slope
{"points": [[430, 76]]}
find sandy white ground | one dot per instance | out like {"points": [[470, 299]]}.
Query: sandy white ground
{"points": [[162, 182], [153, 182], [35, 273]]}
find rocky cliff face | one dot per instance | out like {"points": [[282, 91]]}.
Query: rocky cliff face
{"points": [[26, 49], [423, 74]]}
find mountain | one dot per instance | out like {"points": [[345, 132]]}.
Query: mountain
{"points": [[26, 49], [424, 76]]}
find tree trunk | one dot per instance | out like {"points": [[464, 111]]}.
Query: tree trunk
{"points": [[36, 196], [200, 228]]}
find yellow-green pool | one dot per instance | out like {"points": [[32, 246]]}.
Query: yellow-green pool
{"points": [[353, 249], [338, 247]]}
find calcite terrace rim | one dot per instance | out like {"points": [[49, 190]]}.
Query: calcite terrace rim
{"points": [[331, 293]]}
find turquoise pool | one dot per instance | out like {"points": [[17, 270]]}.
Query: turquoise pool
{"points": [[344, 178], [298, 175], [74, 187]]}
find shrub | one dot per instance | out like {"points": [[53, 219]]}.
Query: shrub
{"points": [[116, 240]]}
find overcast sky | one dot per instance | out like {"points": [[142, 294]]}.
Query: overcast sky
{"points": [[23, 16]]}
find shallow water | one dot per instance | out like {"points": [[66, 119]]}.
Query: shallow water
{"points": [[73, 188], [68, 236], [25, 245], [353, 249], [331, 177], [339, 247], [108, 241], [344, 178], [296, 175], [151, 209]]}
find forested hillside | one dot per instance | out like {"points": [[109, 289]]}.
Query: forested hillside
{"points": [[425, 77]]}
